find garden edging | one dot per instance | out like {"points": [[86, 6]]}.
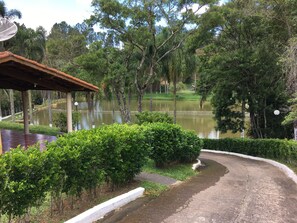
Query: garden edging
{"points": [[100, 210]]}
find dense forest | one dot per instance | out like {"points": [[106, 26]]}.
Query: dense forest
{"points": [[243, 54]]}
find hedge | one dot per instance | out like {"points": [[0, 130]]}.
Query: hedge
{"points": [[282, 150], [83, 160]]}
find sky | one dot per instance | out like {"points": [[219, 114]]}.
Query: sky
{"points": [[48, 12]]}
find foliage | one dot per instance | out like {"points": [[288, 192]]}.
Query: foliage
{"points": [[239, 67], [39, 129], [151, 117], [28, 43], [282, 150], [170, 144], [179, 87], [60, 120], [137, 24]]}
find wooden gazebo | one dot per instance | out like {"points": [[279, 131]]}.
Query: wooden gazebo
{"points": [[19, 73]]}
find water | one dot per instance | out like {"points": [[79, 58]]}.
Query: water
{"points": [[189, 115]]}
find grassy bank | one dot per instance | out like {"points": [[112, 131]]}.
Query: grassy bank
{"points": [[38, 129], [181, 95]]}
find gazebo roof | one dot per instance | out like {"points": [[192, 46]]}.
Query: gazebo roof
{"points": [[22, 74]]}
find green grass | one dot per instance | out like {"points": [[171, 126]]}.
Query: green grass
{"points": [[153, 189], [179, 172], [40, 129], [181, 95]]}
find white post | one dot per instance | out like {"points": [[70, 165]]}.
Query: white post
{"points": [[25, 111], [69, 112]]}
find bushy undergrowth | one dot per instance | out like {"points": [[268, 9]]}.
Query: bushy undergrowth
{"points": [[282, 150], [151, 117], [83, 160]]}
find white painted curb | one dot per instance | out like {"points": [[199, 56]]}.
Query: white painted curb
{"points": [[290, 173], [100, 210]]}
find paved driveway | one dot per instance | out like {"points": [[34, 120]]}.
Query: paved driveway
{"points": [[229, 189]]}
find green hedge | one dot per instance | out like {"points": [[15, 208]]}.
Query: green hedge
{"points": [[83, 160], [282, 150], [170, 144]]}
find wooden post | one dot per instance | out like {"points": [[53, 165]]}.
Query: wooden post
{"points": [[25, 111], [69, 111]]}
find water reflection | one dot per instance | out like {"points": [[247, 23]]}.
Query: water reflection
{"points": [[189, 115]]}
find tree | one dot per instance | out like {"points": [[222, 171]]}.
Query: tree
{"points": [[111, 67], [63, 45], [239, 67], [137, 24]]}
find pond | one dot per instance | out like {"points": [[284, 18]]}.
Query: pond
{"points": [[189, 115]]}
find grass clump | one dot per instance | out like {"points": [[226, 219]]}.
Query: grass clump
{"points": [[153, 189], [179, 171]]}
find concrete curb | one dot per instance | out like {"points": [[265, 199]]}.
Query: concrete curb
{"points": [[100, 210], [290, 173]]}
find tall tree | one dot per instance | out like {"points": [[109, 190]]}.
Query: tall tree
{"points": [[239, 66], [137, 24]]}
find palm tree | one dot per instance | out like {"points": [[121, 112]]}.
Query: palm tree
{"points": [[10, 14]]}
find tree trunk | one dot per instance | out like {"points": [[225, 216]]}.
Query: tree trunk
{"points": [[11, 99], [50, 115], [113, 107], [90, 102], [140, 97], [151, 98], [174, 96], [30, 107], [243, 117], [122, 103], [265, 119]]}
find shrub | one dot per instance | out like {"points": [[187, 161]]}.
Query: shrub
{"points": [[78, 163], [169, 144], [191, 147], [116, 153], [283, 150], [151, 117], [25, 181], [179, 87], [60, 120], [125, 151]]}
